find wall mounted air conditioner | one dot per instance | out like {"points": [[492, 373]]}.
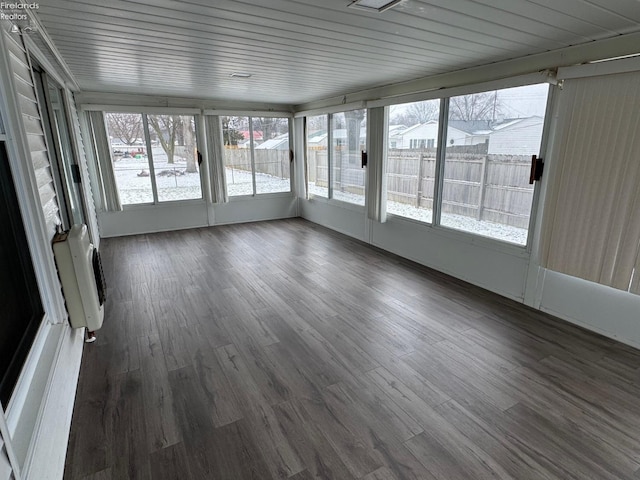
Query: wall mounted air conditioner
{"points": [[82, 279]]}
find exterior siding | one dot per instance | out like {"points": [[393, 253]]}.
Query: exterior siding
{"points": [[28, 103], [523, 138]]}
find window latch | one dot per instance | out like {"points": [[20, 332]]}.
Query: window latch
{"points": [[364, 159], [199, 158], [537, 166], [75, 173]]}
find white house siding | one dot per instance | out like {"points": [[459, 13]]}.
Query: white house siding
{"points": [[27, 100], [428, 131], [521, 138], [425, 131]]}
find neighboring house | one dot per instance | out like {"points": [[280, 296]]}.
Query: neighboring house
{"points": [[475, 132], [317, 139], [281, 142], [517, 137], [118, 146], [425, 135], [339, 137], [246, 143]]}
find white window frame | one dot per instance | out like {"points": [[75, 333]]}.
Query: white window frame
{"points": [[444, 97], [251, 116], [144, 112], [329, 116]]}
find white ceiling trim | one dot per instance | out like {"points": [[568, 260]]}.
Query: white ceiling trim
{"points": [[622, 45], [610, 67], [136, 109], [518, 81], [343, 107], [248, 113]]}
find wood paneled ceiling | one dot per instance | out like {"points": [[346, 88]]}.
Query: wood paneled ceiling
{"points": [[301, 50]]}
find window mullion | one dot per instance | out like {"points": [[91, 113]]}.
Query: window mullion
{"points": [[330, 155], [152, 173], [253, 159], [440, 157]]}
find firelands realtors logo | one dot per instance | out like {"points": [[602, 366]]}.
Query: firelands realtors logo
{"points": [[16, 11], [18, 15]]}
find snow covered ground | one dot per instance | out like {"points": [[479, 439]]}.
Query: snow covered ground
{"points": [[458, 222], [136, 189], [239, 183]]}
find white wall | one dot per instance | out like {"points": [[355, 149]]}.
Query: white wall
{"points": [[138, 219], [606, 310]]}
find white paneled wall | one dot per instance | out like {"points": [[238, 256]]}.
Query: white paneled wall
{"points": [[76, 135], [39, 413], [28, 105]]}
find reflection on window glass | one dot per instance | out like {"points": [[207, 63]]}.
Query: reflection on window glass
{"points": [[490, 139], [175, 158], [349, 137], [271, 154], [237, 155], [317, 156], [129, 156], [411, 159]]}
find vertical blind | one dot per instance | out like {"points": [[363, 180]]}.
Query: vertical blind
{"points": [[592, 221], [377, 128], [215, 150], [107, 177]]}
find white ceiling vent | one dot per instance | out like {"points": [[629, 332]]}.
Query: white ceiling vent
{"points": [[374, 5]]}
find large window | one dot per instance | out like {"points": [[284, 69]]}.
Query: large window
{"points": [[486, 154], [411, 159], [175, 157], [337, 172], [168, 171], [317, 155], [349, 136], [491, 137], [257, 155]]}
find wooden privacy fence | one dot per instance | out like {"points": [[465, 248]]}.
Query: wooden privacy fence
{"points": [[271, 162], [348, 175], [486, 187]]}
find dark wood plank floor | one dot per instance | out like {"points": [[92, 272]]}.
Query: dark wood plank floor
{"points": [[284, 350]]}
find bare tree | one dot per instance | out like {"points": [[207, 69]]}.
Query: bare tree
{"points": [[230, 133], [316, 123], [166, 129], [269, 126], [425, 111], [478, 106], [189, 137], [418, 112], [125, 126]]}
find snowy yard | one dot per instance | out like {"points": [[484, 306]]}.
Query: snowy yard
{"points": [[458, 222], [239, 183], [135, 189], [173, 183], [134, 183]]}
